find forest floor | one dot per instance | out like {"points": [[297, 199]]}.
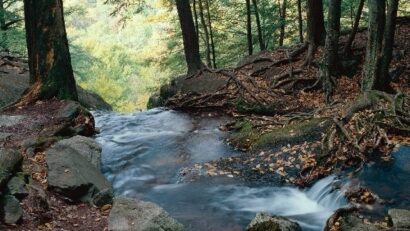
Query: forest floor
{"points": [[285, 127], [31, 134]]}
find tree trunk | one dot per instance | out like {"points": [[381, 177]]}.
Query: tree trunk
{"points": [[352, 35], [332, 37], [51, 73], [211, 33], [388, 43], [206, 33], [189, 36], [374, 50], [331, 64], [249, 26], [316, 28], [258, 24], [2, 15], [282, 23], [300, 21], [196, 19]]}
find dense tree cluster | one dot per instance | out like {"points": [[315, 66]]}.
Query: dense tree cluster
{"points": [[216, 33]]}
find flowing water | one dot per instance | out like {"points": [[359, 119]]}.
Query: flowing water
{"points": [[144, 152]]}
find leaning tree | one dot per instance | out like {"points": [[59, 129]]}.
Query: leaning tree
{"points": [[51, 73]]}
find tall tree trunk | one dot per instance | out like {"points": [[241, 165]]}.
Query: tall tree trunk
{"points": [[282, 23], [211, 33], [388, 43], [249, 26], [258, 24], [316, 28], [2, 15], [332, 37], [377, 16], [51, 73], [206, 33], [300, 20], [189, 36], [331, 47], [348, 46], [196, 18]]}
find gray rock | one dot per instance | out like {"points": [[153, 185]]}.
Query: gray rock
{"points": [[17, 186], [72, 175], [346, 219], [10, 162], [4, 136], [400, 219], [11, 211], [84, 146], [266, 222], [133, 215], [8, 121], [103, 198]]}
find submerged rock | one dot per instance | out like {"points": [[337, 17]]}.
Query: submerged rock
{"points": [[266, 222], [133, 215], [72, 173], [10, 209], [10, 161], [400, 219]]}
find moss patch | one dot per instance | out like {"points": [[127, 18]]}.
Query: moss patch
{"points": [[248, 137]]}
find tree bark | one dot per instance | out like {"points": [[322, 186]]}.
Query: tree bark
{"points": [[2, 15], [348, 46], [249, 27], [388, 43], [51, 73], [196, 19], [331, 65], [258, 24], [282, 23], [189, 36], [206, 33], [332, 37], [374, 49], [301, 39], [316, 28], [211, 33]]}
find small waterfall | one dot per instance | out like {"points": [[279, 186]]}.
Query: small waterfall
{"points": [[310, 208]]}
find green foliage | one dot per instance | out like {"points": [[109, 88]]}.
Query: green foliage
{"points": [[124, 50], [121, 62]]}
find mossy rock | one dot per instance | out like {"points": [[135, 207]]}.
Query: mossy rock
{"points": [[266, 222], [309, 130]]}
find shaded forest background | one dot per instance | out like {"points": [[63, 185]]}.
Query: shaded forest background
{"points": [[125, 55]]}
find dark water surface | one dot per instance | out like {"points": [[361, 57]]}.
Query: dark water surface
{"points": [[144, 152]]}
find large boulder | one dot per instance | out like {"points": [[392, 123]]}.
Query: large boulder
{"points": [[10, 162], [10, 210], [85, 146], [266, 222], [71, 173], [133, 215], [400, 219], [203, 84]]}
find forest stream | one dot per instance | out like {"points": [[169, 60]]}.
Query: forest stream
{"points": [[144, 152]]}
